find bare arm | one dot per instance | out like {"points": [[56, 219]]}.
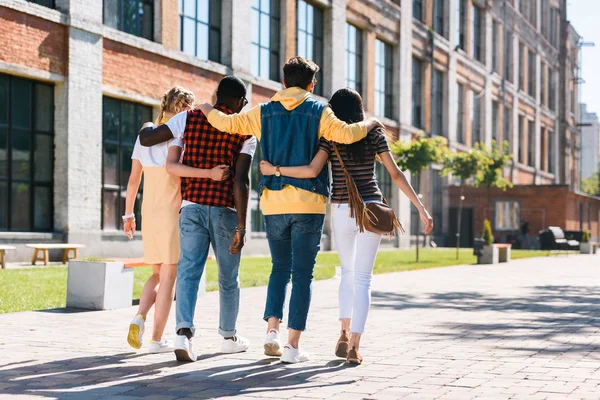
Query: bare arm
{"points": [[241, 192], [132, 190], [218, 173], [151, 135], [304, 171], [404, 185]]}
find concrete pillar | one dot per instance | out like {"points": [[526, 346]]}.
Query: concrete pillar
{"points": [[236, 49], [334, 53], [78, 174], [288, 28], [169, 23], [404, 105], [487, 96], [515, 78], [452, 90]]}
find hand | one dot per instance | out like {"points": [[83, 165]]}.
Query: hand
{"points": [[148, 125], [237, 243], [266, 168], [427, 221], [373, 123], [220, 173], [129, 227], [206, 108]]}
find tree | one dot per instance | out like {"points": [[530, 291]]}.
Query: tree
{"points": [[464, 166], [486, 235], [591, 185], [417, 155], [493, 162]]}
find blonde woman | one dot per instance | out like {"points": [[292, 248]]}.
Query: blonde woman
{"points": [[160, 231]]}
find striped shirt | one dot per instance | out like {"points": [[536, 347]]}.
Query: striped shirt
{"points": [[362, 172]]}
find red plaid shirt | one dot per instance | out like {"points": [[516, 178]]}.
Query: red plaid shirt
{"points": [[206, 147]]}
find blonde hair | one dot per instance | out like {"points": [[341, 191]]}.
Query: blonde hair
{"points": [[174, 101]]}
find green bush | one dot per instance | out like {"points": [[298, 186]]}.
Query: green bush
{"points": [[487, 236], [586, 236]]}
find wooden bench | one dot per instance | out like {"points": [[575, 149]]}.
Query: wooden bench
{"points": [[44, 247], [503, 251], [3, 249]]}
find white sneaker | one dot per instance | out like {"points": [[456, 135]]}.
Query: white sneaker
{"points": [[273, 344], [161, 346], [183, 349], [292, 355], [239, 345], [136, 332]]}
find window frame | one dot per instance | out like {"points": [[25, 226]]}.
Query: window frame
{"points": [[531, 71], [52, 3], [121, 18], [437, 104], [385, 70], [417, 10], [496, 215], [417, 93], [530, 142], [477, 31], [357, 55], [273, 49], [33, 133], [475, 113], [439, 21], [214, 26], [121, 186], [460, 114], [318, 56]]}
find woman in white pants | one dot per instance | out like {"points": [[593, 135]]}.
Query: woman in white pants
{"points": [[357, 250]]}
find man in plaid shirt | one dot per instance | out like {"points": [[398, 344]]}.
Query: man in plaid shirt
{"points": [[208, 212]]}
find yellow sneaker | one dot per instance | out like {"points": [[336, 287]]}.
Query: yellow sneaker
{"points": [[136, 332]]}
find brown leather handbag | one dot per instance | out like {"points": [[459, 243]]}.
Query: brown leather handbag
{"points": [[376, 217]]}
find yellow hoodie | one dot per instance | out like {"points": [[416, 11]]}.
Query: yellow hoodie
{"points": [[289, 200]]}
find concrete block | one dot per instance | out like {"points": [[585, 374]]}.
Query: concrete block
{"points": [[99, 285], [588, 248], [490, 255]]}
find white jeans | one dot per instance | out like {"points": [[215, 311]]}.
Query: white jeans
{"points": [[357, 252]]}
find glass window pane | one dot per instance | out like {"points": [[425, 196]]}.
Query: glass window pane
{"points": [[147, 21], [189, 8], [255, 60], [43, 209], [109, 209], [43, 107], [110, 165], [203, 10], [202, 41], [302, 44], [110, 123], [43, 159], [3, 99], [265, 6], [111, 13], [275, 34], [3, 206], [214, 53], [188, 36], [20, 103], [215, 13], [125, 164], [128, 124], [3, 152], [264, 62], [19, 216], [255, 26], [302, 15], [265, 30], [21, 150]]}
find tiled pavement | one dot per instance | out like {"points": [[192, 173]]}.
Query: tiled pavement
{"points": [[527, 330]]}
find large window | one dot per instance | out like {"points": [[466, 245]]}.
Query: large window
{"points": [[550, 151], [438, 17], [310, 37], [477, 34], [47, 3], [265, 39], [507, 215], [460, 114], [460, 22], [530, 143], [26, 155], [437, 104], [495, 122], [522, 55], [417, 6], [475, 118], [507, 127], [551, 90], [384, 87], [521, 143], [495, 46], [200, 28], [120, 124], [508, 57], [531, 73], [131, 16], [417, 103], [354, 58]]}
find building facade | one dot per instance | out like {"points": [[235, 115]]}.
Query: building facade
{"points": [[79, 77], [590, 137]]}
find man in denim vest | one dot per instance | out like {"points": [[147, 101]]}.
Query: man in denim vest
{"points": [[289, 128]]}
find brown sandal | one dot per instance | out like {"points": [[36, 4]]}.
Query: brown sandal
{"points": [[341, 348], [354, 357]]}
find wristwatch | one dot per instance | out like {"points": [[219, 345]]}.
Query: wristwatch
{"points": [[277, 171]]}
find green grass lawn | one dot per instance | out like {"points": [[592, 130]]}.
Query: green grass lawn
{"points": [[44, 288]]}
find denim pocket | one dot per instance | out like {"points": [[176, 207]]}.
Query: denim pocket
{"points": [[309, 223], [226, 223]]}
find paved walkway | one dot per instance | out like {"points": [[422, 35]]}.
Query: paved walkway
{"points": [[527, 330]]}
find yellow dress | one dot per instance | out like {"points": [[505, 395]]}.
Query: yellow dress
{"points": [[160, 206]]}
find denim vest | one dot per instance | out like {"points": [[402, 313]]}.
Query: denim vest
{"points": [[290, 138]]}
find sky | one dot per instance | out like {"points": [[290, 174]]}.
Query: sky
{"points": [[584, 15]]}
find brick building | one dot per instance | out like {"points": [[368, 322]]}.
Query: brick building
{"points": [[78, 78]]}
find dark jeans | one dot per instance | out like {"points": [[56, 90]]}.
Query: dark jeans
{"points": [[294, 240]]}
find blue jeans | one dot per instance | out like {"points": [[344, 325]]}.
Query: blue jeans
{"points": [[294, 240], [200, 226]]}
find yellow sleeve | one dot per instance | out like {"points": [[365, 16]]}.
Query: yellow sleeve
{"points": [[246, 123], [336, 130]]}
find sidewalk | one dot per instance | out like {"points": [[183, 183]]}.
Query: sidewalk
{"points": [[527, 330]]}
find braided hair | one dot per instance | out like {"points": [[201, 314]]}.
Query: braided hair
{"points": [[174, 101]]}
